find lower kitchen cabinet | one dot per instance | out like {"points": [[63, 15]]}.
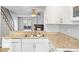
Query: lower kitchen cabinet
{"points": [[35, 45], [16, 45], [42, 47], [27, 45], [6, 43]]}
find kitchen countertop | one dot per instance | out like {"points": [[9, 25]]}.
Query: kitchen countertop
{"points": [[26, 38], [57, 39], [60, 40]]}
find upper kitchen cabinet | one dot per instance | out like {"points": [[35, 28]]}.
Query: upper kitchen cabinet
{"points": [[58, 15], [76, 14], [66, 15], [52, 14]]}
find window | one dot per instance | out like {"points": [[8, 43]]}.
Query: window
{"points": [[27, 24], [76, 11]]}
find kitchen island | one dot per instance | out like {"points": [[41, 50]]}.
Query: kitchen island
{"points": [[58, 41], [27, 44]]}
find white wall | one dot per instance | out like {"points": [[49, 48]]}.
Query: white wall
{"points": [[15, 19], [5, 29], [0, 20], [72, 30], [52, 28], [0, 28]]}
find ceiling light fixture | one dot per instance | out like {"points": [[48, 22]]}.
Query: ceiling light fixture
{"points": [[34, 13]]}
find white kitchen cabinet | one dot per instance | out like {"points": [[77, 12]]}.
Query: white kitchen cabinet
{"points": [[58, 15], [53, 14], [42, 45], [67, 14], [35, 45], [16, 45], [27, 45], [6, 43]]}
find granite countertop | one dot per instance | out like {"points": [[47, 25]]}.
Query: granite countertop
{"points": [[59, 40]]}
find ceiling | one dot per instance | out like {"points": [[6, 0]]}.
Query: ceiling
{"points": [[20, 11]]}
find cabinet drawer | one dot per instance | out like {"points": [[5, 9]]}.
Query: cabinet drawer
{"points": [[16, 40], [11, 40], [6, 40], [28, 41]]}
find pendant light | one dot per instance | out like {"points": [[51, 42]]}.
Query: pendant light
{"points": [[34, 13]]}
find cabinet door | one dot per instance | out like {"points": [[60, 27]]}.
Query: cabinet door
{"points": [[53, 14], [67, 14], [59, 14], [6, 43], [16, 45], [42, 45], [13, 44], [27, 45]]}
